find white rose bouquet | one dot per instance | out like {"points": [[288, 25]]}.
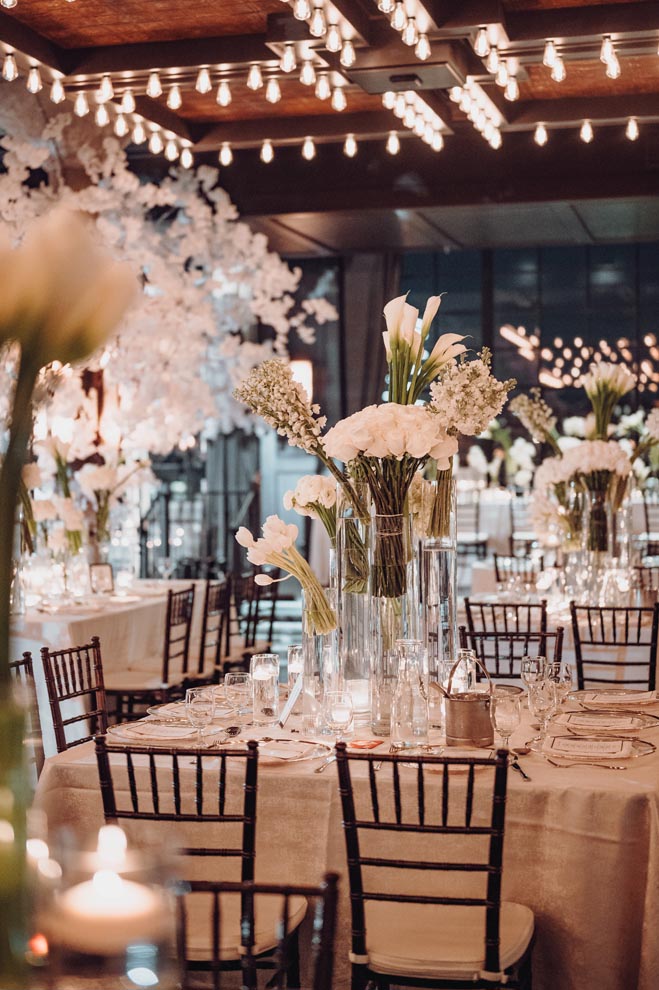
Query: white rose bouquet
{"points": [[277, 547]]}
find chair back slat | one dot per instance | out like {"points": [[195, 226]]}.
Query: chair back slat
{"points": [[525, 569], [214, 625], [178, 626], [21, 673], [154, 772], [74, 675], [508, 617], [618, 641], [502, 653]]}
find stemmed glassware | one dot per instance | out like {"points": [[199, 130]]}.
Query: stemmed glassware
{"points": [[338, 711], [166, 567], [543, 703], [561, 675], [238, 690], [532, 670], [505, 714], [200, 709]]}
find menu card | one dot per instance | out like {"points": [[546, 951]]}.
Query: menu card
{"points": [[595, 748], [593, 721], [622, 697]]}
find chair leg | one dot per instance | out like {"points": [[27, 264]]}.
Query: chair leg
{"points": [[293, 967], [359, 978]]}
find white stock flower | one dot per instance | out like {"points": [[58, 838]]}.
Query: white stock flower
{"points": [[71, 516], [652, 424], [390, 430], [575, 426], [94, 478], [467, 396], [43, 510], [57, 539]]}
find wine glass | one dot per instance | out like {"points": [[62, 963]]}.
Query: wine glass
{"points": [[338, 711], [532, 670], [200, 709], [166, 567], [561, 675], [543, 703], [238, 690], [505, 714]]}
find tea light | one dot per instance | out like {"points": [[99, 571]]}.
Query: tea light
{"points": [[359, 691]]}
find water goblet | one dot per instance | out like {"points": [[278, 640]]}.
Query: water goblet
{"points": [[543, 703], [505, 714], [532, 670], [561, 675], [338, 711], [264, 668], [200, 709], [238, 690]]}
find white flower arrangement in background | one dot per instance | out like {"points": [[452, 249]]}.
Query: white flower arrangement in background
{"points": [[605, 384], [467, 396], [315, 496], [536, 417]]}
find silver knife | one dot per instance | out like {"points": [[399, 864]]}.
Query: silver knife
{"points": [[515, 765], [323, 766]]}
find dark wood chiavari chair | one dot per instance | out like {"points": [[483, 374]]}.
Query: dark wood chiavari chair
{"points": [[132, 691], [526, 568], [471, 541], [600, 631], [648, 540], [252, 606], [647, 576], [522, 533], [74, 680], [457, 932], [506, 617], [214, 625], [221, 936], [22, 673], [502, 653]]}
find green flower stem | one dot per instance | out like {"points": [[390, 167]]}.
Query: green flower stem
{"points": [[323, 615], [440, 516]]}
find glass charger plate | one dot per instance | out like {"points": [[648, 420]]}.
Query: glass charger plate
{"points": [[153, 732], [174, 711], [449, 751], [613, 698], [630, 748], [603, 721], [277, 751]]}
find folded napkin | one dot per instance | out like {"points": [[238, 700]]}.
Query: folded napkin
{"points": [[621, 697], [595, 720], [596, 749]]}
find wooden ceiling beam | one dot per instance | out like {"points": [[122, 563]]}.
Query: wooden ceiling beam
{"points": [[155, 112], [571, 23], [330, 127], [19, 37], [573, 110]]}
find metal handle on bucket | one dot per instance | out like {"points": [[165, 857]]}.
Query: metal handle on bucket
{"points": [[478, 663]]}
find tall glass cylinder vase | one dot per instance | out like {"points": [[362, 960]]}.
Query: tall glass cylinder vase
{"points": [[597, 541], [321, 670], [353, 533], [14, 800], [394, 587]]}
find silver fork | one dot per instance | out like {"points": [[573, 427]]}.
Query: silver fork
{"points": [[602, 766], [394, 748]]}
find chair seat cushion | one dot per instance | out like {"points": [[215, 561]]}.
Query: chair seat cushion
{"points": [[267, 915], [441, 941]]}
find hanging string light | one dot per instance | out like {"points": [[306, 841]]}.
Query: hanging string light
{"points": [[34, 84], [307, 73], [80, 105], [139, 133], [399, 17], [393, 143], [127, 104], [511, 92], [8, 4], [586, 133], [502, 74], [386, 6], [308, 149], [203, 84], [226, 154], [423, 50], [482, 44], [9, 67], [102, 117], [154, 86], [223, 94], [155, 143], [492, 62], [350, 146], [288, 61], [348, 55], [318, 24], [607, 50], [174, 98], [187, 158], [410, 35], [57, 94], [339, 101], [267, 151], [558, 70], [550, 54], [254, 77], [389, 100], [302, 10], [333, 41], [540, 136], [323, 88], [105, 91], [171, 150], [121, 126], [613, 68], [272, 91], [631, 131]]}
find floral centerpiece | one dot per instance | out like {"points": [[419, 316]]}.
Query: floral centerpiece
{"points": [[101, 485], [314, 496]]}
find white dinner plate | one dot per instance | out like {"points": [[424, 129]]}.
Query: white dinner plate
{"points": [[608, 698], [596, 749]]}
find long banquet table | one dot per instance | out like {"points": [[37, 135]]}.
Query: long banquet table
{"points": [[581, 849]]}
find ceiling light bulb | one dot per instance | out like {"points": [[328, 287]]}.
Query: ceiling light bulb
{"points": [[502, 74], [350, 146], [423, 50], [607, 51], [302, 9], [223, 94], [389, 99], [632, 131], [80, 105], [105, 90], [386, 6], [333, 41], [308, 149], [586, 133], [409, 116], [437, 142], [339, 101], [399, 17], [318, 24], [267, 151], [541, 136], [226, 154], [155, 143], [57, 94], [254, 77], [511, 92], [492, 63], [400, 105], [550, 54], [9, 68], [410, 35], [171, 150], [393, 143], [307, 73], [187, 158], [120, 126], [174, 98], [34, 83], [558, 70], [348, 55], [419, 126], [203, 84], [128, 102], [482, 44], [8, 4], [272, 91], [613, 68], [153, 86], [102, 116], [288, 61], [139, 133], [323, 88], [496, 140]]}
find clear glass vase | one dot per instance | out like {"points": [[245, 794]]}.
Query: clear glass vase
{"points": [[438, 589], [321, 672], [598, 531], [353, 533]]}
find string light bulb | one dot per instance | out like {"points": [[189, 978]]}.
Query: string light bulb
{"points": [[607, 51], [389, 100], [393, 143], [57, 94], [9, 67], [307, 73], [187, 158], [386, 6], [139, 133], [171, 150], [127, 104], [203, 84], [437, 142], [348, 55], [121, 126], [586, 133], [318, 24], [502, 74], [423, 50], [8, 4], [80, 105], [224, 94], [288, 61], [154, 86], [400, 105], [174, 98], [267, 151], [511, 92], [272, 91], [541, 136], [550, 54], [105, 91], [254, 77], [34, 83], [308, 149], [226, 154], [339, 101], [632, 131], [558, 70], [399, 17], [102, 117], [333, 41], [482, 44], [492, 63], [613, 68], [496, 140], [350, 146], [155, 143], [323, 88], [302, 10], [409, 34]]}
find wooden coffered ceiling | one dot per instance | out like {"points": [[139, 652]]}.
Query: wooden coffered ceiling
{"points": [[81, 41]]}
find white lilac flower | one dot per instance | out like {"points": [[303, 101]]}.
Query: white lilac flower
{"points": [[535, 416], [271, 391], [467, 396]]}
